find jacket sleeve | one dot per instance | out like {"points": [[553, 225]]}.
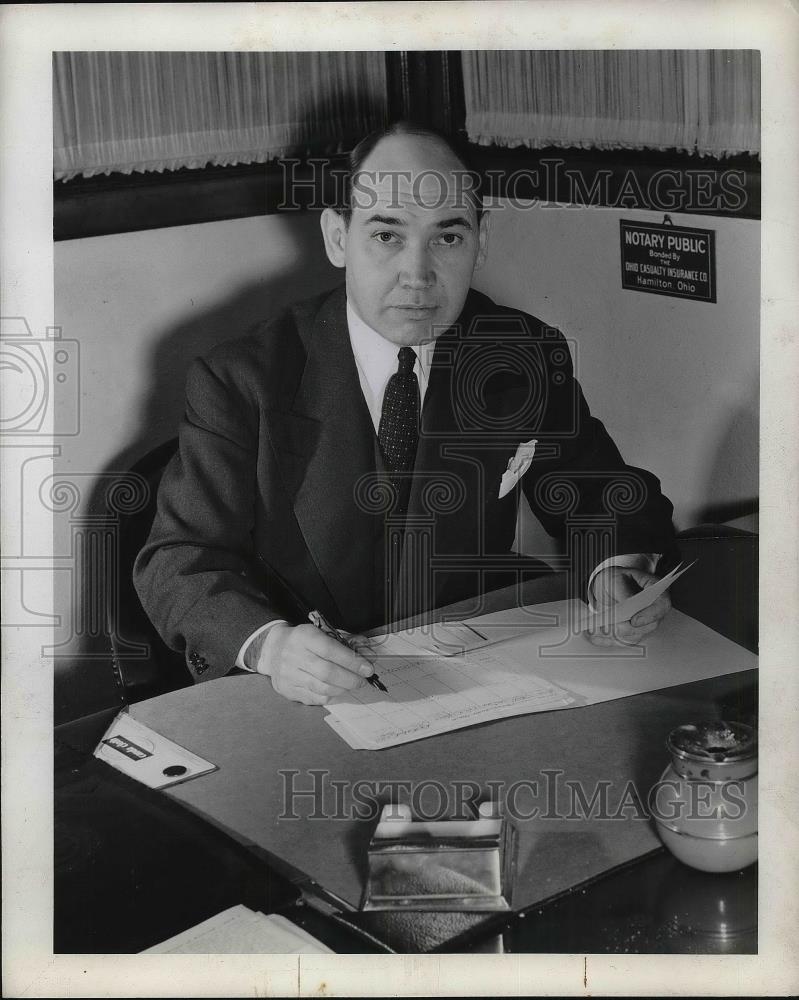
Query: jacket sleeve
{"points": [[196, 576], [581, 489]]}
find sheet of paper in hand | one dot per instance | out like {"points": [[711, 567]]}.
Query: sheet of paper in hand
{"points": [[625, 610]]}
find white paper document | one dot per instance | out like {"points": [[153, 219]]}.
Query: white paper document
{"points": [[452, 637], [680, 651], [430, 694], [241, 931], [547, 663]]}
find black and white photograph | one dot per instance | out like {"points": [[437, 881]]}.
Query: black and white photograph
{"points": [[383, 454]]}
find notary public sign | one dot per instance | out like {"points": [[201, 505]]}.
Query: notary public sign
{"points": [[668, 260]]}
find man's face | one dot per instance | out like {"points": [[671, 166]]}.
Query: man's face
{"points": [[413, 241]]}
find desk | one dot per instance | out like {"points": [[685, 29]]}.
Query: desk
{"points": [[253, 735], [132, 868]]}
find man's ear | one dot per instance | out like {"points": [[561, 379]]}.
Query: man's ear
{"points": [[482, 237], [334, 233]]}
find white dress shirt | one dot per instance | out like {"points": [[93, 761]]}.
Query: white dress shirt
{"points": [[376, 360]]}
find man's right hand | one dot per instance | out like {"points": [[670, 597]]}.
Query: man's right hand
{"points": [[308, 666]]}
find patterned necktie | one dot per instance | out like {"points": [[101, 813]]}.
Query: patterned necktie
{"points": [[398, 432]]}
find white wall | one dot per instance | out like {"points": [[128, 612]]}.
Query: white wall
{"points": [[144, 304], [674, 381]]}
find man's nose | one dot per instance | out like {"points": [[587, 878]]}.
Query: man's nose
{"points": [[417, 270]]}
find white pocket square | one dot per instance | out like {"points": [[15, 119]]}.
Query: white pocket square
{"points": [[517, 466]]}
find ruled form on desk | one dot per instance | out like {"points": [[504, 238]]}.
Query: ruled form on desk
{"points": [[428, 695]]}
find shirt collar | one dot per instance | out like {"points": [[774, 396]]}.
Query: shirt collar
{"points": [[377, 357]]}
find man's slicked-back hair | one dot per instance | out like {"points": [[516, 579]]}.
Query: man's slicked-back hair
{"points": [[361, 152]]}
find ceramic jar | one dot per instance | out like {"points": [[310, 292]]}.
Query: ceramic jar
{"points": [[705, 804]]}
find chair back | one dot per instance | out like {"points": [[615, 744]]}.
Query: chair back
{"points": [[143, 664], [721, 589]]}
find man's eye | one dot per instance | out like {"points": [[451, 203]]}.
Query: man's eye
{"points": [[384, 237], [450, 239]]}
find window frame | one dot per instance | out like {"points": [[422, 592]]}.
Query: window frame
{"points": [[425, 86]]}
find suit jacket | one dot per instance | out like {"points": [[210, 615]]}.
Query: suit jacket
{"points": [[277, 500]]}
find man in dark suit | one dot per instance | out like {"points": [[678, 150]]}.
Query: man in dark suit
{"points": [[363, 453]]}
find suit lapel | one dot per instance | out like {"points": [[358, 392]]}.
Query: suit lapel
{"points": [[328, 460]]}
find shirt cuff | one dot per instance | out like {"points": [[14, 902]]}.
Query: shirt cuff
{"points": [[251, 638], [631, 560]]}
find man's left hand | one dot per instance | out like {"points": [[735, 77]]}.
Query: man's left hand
{"points": [[615, 584]]}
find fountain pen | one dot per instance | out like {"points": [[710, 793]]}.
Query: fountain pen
{"points": [[318, 619]]}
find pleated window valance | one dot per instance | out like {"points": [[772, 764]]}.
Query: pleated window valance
{"points": [[695, 101], [155, 111]]}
